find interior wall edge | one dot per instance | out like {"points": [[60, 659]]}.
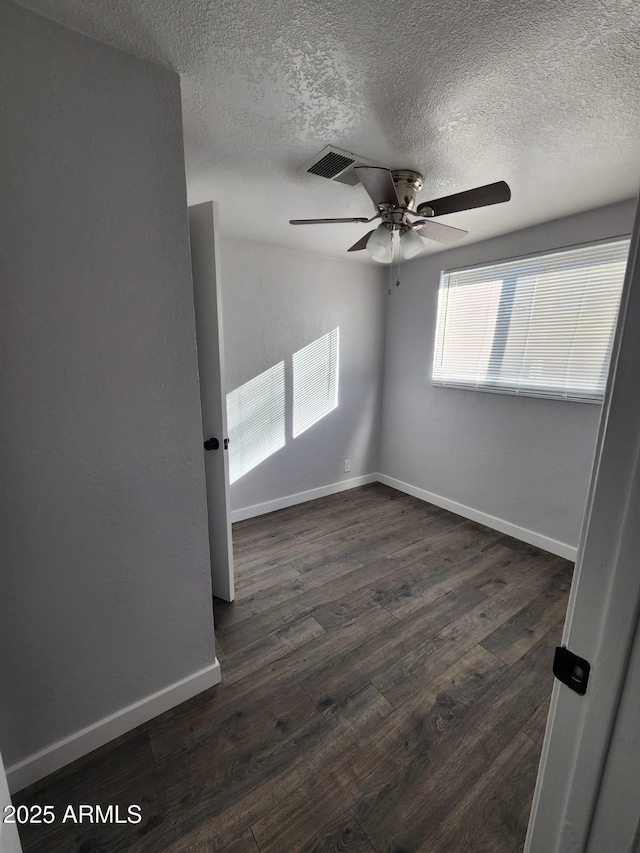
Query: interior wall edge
{"points": [[64, 751]]}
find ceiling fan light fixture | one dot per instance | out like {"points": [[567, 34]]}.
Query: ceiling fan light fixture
{"points": [[393, 194], [380, 245], [411, 244]]}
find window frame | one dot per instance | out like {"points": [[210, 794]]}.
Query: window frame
{"points": [[495, 388]]}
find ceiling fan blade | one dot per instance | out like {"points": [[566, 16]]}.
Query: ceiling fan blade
{"points": [[361, 244], [438, 231], [467, 200], [323, 221], [378, 182]]}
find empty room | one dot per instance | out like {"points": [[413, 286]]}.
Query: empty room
{"points": [[320, 427]]}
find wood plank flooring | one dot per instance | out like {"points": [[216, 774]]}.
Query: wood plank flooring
{"points": [[386, 674]]}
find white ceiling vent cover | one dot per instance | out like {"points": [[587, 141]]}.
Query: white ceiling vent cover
{"points": [[337, 165]]}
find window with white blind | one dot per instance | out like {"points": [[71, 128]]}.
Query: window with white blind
{"points": [[538, 326]]}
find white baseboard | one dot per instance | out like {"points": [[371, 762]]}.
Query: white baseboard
{"points": [[562, 549], [65, 751], [301, 497], [569, 552]]}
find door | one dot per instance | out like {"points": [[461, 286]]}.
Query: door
{"points": [[583, 771], [205, 256], [9, 840], [616, 821]]}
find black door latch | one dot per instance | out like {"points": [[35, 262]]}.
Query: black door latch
{"points": [[211, 444], [571, 670]]}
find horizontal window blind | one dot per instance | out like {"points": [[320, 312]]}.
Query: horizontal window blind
{"points": [[541, 326]]}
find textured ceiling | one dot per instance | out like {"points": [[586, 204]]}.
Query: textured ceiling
{"points": [[544, 95]]}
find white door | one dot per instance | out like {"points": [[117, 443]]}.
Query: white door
{"points": [[205, 261], [586, 796], [9, 839], [616, 821]]}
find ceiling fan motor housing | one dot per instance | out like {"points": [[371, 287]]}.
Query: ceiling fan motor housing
{"points": [[408, 184]]}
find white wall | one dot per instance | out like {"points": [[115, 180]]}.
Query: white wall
{"points": [[525, 461], [106, 593], [276, 301]]}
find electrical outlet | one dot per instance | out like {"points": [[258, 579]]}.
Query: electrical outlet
{"points": [[347, 466]]}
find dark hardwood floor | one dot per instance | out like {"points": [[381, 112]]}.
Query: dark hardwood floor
{"points": [[386, 675]]}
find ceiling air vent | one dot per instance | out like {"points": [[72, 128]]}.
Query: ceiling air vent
{"points": [[337, 165]]}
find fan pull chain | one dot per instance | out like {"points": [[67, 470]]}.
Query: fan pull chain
{"points": [[391, 264]]}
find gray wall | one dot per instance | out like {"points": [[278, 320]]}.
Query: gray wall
{"points": [[276, 301], [105, 577], [526, 461]]}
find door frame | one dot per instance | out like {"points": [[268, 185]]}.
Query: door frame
{"points": [[604, 603]]}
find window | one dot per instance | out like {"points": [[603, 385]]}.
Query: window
{"points": [[540, 326]]}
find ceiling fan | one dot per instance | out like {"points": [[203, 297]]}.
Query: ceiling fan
{"points": [[393, 193]]}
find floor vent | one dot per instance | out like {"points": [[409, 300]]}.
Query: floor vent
{"points": [[337, 165]]}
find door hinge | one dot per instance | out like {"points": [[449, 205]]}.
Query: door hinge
{"points": [[571, 670]]}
